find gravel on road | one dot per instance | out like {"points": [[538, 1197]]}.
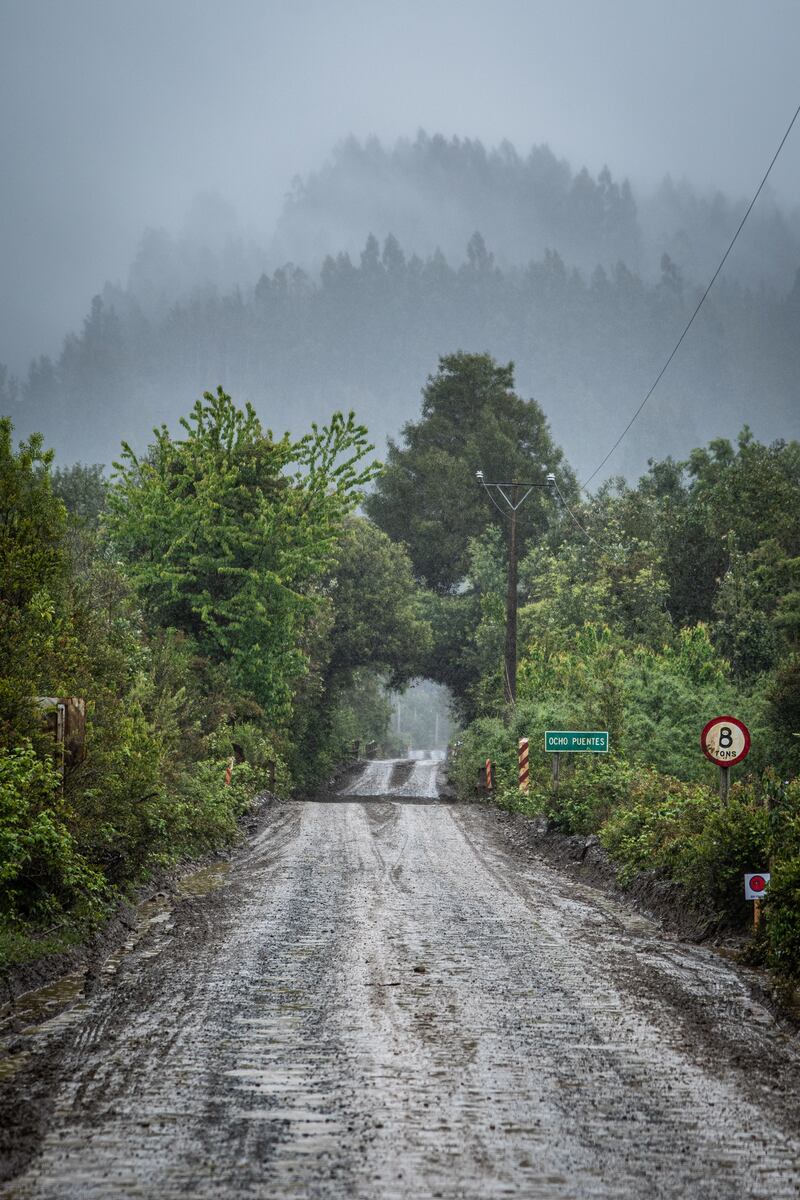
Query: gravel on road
{"points": [[382, 996]]}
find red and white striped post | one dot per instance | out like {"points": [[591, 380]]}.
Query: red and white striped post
{"points": [[523, 765], [489, 780]]}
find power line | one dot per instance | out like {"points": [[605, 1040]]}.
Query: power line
{"points": [[505, 515], [702, 300], [585, 532]]}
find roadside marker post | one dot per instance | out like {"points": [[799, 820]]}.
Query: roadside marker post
{"points": [[489, 780], [524, 768], [725, 741]]}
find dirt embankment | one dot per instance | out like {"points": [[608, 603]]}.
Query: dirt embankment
{"points": [[584, 856], [89, 955]]}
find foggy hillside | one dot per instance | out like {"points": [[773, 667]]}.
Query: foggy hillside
{"points": [[434, 192], [479, 250]]}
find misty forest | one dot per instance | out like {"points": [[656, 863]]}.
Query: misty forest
{"points": [[385, 259], [285, 611], [242, 534]]}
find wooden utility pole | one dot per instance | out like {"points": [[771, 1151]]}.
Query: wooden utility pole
{"points": [[511, 605], [510, 496]]}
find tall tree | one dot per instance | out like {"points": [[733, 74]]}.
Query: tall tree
{"points": [[226, 532], [378, 607], [428, 495]]}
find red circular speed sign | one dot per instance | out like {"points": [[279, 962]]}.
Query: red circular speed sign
{"points": [[725, 740]]}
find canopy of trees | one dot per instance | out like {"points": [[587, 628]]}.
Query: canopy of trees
{"points": [[434, 192], [211, 597], [428, 495]]}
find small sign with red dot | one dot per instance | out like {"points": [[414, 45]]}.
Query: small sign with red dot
{"points": [[756, 884]]}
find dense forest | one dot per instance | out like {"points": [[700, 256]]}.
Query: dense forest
{"points": [[226, 588], [398, 253], [219, 601]]}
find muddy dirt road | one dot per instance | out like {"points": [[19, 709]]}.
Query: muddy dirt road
{"points": [[386, 999]]}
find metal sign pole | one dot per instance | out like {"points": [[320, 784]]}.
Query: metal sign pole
{"points": [[556, 762], [724, 783]]}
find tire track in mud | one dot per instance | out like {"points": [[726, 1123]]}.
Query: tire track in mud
{"points": [[388, 1000]]}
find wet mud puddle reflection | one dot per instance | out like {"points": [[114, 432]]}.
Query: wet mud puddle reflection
{"points": [[30, 1020]]}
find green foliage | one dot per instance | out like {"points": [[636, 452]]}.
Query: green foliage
{"points": [[197, 631], [577, 688], [733, 839], [83, 489], [360, 712], [379, 619], [570, 584], [667, 698], [684, 831], [784, 711], [455, 658], [223, 542], [681, 608], [485, 737], [590, 790], [428, 496], [33, 574], [783, 918], [204, 810], [42, 874]]}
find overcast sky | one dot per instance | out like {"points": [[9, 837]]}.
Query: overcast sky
{"points": [[115, 113]]}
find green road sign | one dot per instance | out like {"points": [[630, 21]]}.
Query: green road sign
{"points": [[576, 741]]}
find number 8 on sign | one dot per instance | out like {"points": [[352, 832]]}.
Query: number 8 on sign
{"points": [[725, 740]]}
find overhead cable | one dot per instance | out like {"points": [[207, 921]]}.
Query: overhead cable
{"points": [[585, 532], [502, 511], [700, 304]]}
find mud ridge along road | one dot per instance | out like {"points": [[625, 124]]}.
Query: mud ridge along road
{"points": [[384, 997]]}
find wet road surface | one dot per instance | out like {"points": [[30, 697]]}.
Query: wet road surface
{"points": [[385, 998]]}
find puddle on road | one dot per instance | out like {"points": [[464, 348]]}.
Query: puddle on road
{"points": [[33, 1007], [206, 880], [38, 1014]]}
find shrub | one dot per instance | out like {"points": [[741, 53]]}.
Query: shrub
{"points": [[589, 790], [203, 812], [41, 872], [259, 750], [734, 838], [783, 918], [654, 823]]}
